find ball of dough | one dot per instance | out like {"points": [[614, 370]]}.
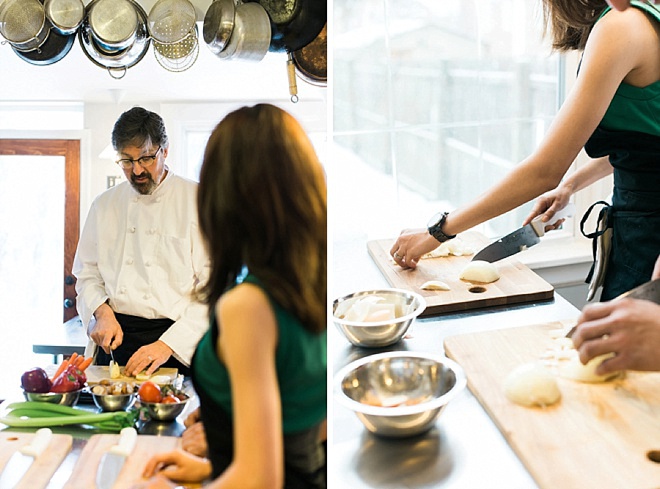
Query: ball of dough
{"points": [[480, 271], [531, 384]]}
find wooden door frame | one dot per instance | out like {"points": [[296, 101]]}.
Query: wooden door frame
{"points": [[70, 150]]}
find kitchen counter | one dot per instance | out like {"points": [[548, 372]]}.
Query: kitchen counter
{"points": [[82, 435], [465, 449]]}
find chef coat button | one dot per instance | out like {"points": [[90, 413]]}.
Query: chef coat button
{"points": [[129, 261], [122, 290], [147, 296], [148, 263], [157, 199], [131, 229], [152, 231]]}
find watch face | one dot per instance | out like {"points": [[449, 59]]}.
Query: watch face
{"points": [[435, 220]]}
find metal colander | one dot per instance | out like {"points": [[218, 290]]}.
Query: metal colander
{"points": [[171, 21], [65, 15], [21, 20], [178, 56]]}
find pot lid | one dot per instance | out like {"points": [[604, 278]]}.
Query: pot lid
{"points": [[113, 21], [65, 14]]}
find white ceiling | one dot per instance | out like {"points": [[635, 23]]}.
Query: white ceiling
{"points": [[76, 78]]}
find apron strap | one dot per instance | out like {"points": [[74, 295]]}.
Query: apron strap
{"points": [[604, 216]]}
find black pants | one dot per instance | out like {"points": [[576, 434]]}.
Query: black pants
{"points": [[137, 333]]}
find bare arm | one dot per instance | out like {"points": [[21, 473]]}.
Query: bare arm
{"points": [[607, 60], [555, 200]]}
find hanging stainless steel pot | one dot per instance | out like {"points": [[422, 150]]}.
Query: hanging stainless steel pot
{"points": [[113, 24], [250, 36], [219, 24], [23, 24], [294, 23], [65, 15], [117, 62]]}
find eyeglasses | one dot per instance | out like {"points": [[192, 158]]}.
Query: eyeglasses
{"points": [[143, 161]]}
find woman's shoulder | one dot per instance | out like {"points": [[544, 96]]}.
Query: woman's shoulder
{"points": [[243, 299]]}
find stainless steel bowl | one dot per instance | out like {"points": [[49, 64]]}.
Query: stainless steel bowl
{"points": [[160, 411], [399, 394], [408, 305], [110, 402], [63, 398]]}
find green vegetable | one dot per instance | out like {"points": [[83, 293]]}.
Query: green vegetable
{"points": [[41, 414]]}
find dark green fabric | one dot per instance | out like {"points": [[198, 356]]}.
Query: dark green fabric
{"points": [[635, 108], [301, 363], [629, 135]]}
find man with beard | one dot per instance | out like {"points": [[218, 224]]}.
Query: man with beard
{"points": [[140, 257]]}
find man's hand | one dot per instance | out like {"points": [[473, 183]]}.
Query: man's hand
{"points": [[193, 440], [149, 358], [106, 332], [629, 328]]}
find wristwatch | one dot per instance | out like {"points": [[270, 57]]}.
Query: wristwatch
{"points": [[435, 227]]}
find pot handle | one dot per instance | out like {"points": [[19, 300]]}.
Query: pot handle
{"points": [[293, 86], [122, 69]]}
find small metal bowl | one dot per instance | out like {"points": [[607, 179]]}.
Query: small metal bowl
{"points": [[112, 402], [63, 398], [399, 394], [161, 411], [408, 305]]}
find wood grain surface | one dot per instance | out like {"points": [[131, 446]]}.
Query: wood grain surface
{"points": [[517, 283], [84, 472], [598, 435], [96, 373], [43, 468]]}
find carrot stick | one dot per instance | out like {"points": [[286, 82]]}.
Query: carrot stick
{"points": [[86, 363], [79, 360], [60, 369], [73, 357]]}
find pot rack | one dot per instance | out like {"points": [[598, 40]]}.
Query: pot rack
{"points": [[177, 54]]}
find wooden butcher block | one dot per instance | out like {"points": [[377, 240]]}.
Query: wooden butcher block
{"points": [[42, 469], [602, 435], [96, 373], [517, 283], [84, 472]]}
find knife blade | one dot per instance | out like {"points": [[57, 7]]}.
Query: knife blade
{"points": [[649, 291], [113, 460], [521, 239], [21, 461]]}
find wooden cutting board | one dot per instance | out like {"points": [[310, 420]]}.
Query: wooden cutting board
{"points": [[84, 472], [96, 373], [517, 283], [43, 468], [598, 435]]}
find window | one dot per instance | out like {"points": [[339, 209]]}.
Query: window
{"points": [[433, 102]]}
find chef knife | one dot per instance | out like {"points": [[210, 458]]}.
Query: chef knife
{"points": [[21, 461], [113, 461], [522, 238], [649, 291]]}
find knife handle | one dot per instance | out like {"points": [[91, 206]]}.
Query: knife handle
{"points": [[127, 439], [38, 444], [539, 226]]}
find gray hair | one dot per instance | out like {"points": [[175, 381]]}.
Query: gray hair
{"points": [[139, 127]]}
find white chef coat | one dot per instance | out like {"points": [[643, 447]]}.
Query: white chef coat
{"points": [[145, 254]]}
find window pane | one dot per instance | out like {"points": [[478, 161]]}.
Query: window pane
{"points": [[436, 101], [31, 256]]}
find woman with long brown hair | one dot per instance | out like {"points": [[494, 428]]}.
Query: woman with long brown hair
{"points": [[260, 371], [612, 112]]}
